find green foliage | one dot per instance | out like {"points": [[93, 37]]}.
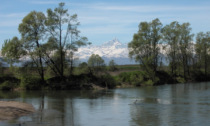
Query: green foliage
{"points": [[202, 48], [96, 63], [144, 46], [198, 75], [148, 83], [31, 83], [8, 85], [107, 81], [60, 29], [128, 67], [112, 66], [12, 50], [1, 69], [135, 78], [185, 47], [32, 27], [164, 77], [124, 77], [83, 68], [171, 34], [64, 41], [180, 79]]}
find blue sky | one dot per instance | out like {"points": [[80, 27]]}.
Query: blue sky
{"points": [[103, 20]]}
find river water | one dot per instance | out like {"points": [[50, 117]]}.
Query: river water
{"points": [[167, 105]]}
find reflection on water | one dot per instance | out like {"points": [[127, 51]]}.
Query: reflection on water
{"points": [[181, 104]]}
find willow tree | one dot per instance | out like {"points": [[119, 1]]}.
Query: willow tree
{"points": [[145, 46], [62, 30], [171, 35], [32, 30]]}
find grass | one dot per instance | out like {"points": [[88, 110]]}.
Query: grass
{"points": [[128, 67]]}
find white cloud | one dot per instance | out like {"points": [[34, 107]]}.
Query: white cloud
{"points": [[44, 2], [10, 23], [140, 8], [13, 15]]}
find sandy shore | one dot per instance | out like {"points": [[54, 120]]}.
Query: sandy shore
{"points": [[12, 109]]}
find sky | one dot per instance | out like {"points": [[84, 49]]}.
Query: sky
{"points": [[103, 20]]}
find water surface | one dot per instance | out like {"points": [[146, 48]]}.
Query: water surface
{"points": [[167, 105]]}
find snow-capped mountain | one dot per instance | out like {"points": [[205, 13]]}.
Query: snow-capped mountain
{"points": [[113, 49]]}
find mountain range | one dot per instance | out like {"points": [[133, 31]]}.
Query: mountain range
{"points": [[111, 50]]}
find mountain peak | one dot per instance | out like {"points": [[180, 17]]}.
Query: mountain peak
{"points": [[115, 42], [111, 50]]}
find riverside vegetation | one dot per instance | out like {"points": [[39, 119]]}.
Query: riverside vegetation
{"points": [[49, 43]]}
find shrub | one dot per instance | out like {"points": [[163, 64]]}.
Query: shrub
{"points": [[8, 85], [198, 75], [124, 77], [148, 83], [164, 78], [31, 83], [180, 80], [135, 78], [107, 81]]}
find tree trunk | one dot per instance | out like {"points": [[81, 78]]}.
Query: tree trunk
{"points": [[61, 50], [41, 69]]}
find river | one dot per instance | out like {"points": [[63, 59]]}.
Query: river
{"points": [[166, 105]]}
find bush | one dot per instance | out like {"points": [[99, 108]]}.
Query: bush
{"points": [[198, 75], [124, 77], [180, 80], [164, 78], [135, 78], [31, 83], [9, 78], [8, 85], [148, 83], [107, 81]]}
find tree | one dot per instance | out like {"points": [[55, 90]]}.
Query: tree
{"points": [[32, 30], [171, 35], [63, 40], [202, 48], [112, 65], [144, 47], [156, 28], [96, 63], [13, 50], [83, 67], [72, 47], [185, 46]]}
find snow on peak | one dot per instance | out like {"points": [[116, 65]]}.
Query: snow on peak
{"points": [[109, 50], [113, 43]]}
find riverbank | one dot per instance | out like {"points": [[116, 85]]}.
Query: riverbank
{"points": [[73, 82], [124, 76], [12, 109]]}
